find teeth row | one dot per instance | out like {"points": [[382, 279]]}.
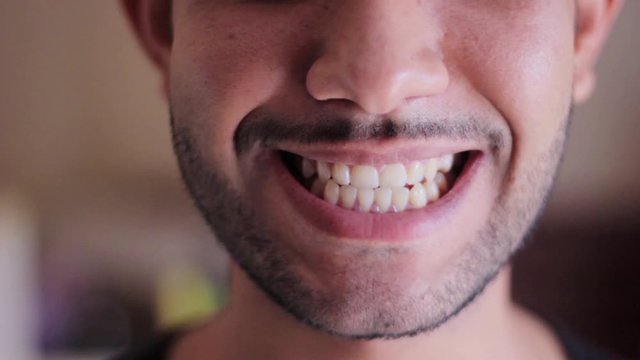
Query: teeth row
{"points": [[368, 177], [393, 188], [381, 199]]}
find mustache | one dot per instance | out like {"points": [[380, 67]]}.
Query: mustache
{"points": [[270, 129]]}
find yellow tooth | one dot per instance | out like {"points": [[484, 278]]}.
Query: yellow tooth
{"points": [[365, 199], [348, 196], [445, 163], [317, 188], [383, 198], [366, 189], [364, 177], [400, 198], [332, 192], [308, 168], [394, 175], [418, 196], [324, 171], [415, 173], [340, 174], [433, 193], [441, 181], [430, 169]]}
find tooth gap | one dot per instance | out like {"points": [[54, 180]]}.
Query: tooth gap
{"points": [[460, 160], [293, 163]]}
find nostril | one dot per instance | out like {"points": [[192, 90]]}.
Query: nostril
{"points": [[377, 89], [324, 82]]}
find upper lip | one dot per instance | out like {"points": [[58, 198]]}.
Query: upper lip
{"points": [[379, 152]]}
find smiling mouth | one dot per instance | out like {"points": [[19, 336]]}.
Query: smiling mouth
{"points": [[388, 188]]}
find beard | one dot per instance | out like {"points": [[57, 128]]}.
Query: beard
{"points": [[368, 305]]}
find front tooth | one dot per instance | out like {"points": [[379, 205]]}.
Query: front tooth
{"points": [[332, 192], [441, 182], [400, 198], [445, 163], [317, 188], [340, 174], [394, 175], [415, 173], [365, 199], [418, 196], [308, 168], [364, 177], [348, 196], [324, 171], [430, 169], [433, 193], [383, 198]]}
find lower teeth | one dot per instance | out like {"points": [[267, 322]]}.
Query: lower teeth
{"points": [[381, 199]]}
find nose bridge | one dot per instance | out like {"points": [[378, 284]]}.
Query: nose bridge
{"points": [[383, 29], [378, 53]]}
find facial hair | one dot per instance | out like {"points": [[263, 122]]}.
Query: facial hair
{"points": [[368, 309]]}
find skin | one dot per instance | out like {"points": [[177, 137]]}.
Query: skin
{"points": [[512, 68]]}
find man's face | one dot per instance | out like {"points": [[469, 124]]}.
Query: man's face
{"points": [[265, 95]]}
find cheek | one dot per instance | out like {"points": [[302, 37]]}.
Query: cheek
{"points": [[228, 60], [224, 65], [522, 63]]}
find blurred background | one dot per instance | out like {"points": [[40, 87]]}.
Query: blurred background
{"points": [[100, 245]]}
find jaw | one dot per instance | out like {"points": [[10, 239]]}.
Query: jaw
{"points": [[340, 259], [389, 272]]}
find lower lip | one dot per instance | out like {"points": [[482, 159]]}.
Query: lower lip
{"points": [[389, 227]]}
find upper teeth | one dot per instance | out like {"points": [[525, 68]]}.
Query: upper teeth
{"points": [[392, 187]]}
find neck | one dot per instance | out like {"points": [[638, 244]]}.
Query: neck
{"points": [[253, 327]]}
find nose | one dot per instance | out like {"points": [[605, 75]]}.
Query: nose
{"points": [[378, 54]]}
